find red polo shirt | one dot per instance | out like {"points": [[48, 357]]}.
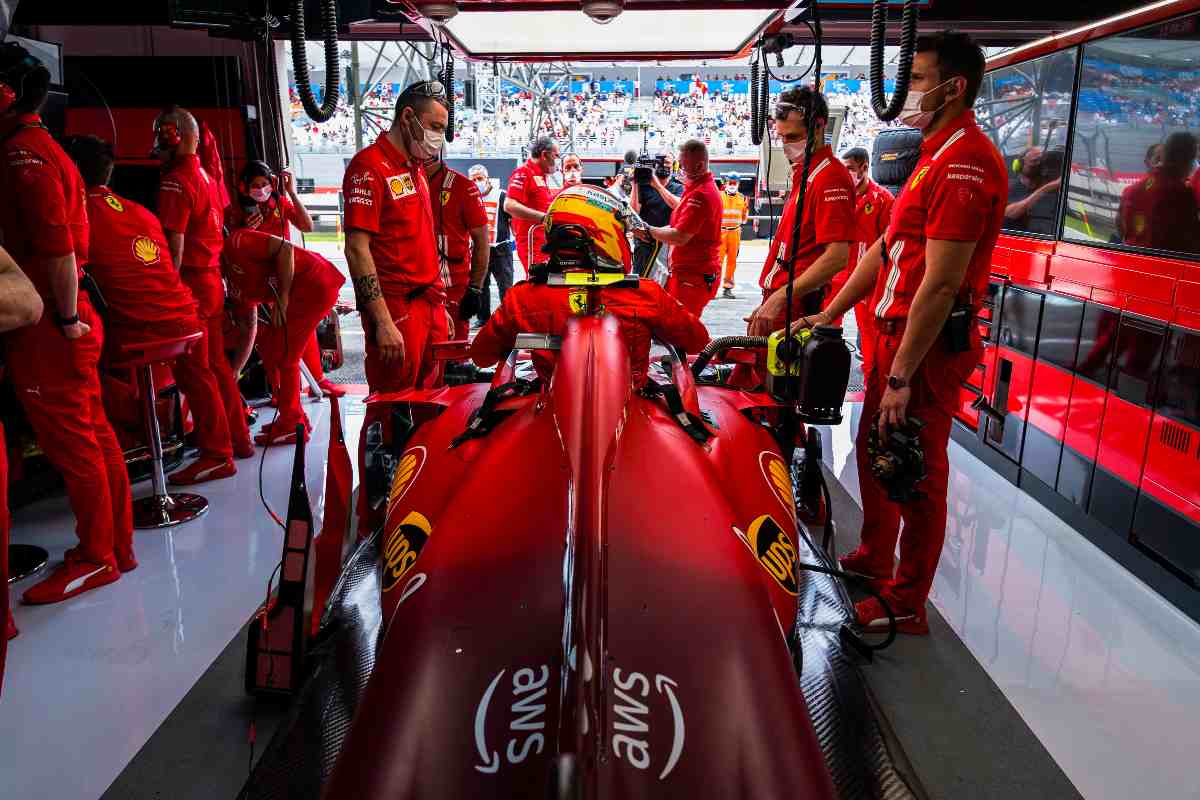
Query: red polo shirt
{"points": [[187, 204], [698, 213], [828, 217], [957, 192], [252, 274], [43, 215], [872, 210], [388, 197], [1159, 211], [131, 262], [457, 209], [528, 186]]}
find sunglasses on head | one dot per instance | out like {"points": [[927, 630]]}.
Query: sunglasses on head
{"points": [[782, 109], [427, 89]]}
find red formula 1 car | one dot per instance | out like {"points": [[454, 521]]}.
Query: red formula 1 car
{"points": [[589, 586]]}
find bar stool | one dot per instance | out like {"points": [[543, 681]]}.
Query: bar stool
{"points": [[162, 509]]}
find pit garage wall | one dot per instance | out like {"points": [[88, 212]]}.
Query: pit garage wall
{"points": [[1094, 359], [133, 71]]}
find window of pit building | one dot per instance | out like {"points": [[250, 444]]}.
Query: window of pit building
{"points": [[1025, 110], [1133, 180]]}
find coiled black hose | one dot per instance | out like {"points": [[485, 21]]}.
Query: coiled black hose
{"points": [[908, 39], [447, 79], [758, 111], [329, 102], [721, 345]]}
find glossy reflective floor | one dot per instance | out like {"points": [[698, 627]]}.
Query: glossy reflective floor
{"points": [[1105, 673], [89, 680]]}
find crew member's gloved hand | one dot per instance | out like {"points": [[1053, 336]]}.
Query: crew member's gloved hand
{"points": [[471, 303]]}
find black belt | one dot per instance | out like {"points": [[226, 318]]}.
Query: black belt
{"points": [[890, 327], [734, 228]]}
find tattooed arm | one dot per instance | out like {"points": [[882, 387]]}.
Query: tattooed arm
{"points": [[377, 319]]}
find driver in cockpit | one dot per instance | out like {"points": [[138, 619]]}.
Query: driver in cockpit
{"points": [[586, 233]]}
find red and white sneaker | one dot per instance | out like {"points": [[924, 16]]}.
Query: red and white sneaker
{"points": [[872, 618], [12, 631], [203, 470], [73, 576]]}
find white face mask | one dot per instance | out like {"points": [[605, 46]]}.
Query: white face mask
{"points": [[913, 115], [859, 177], [483, 186], [794, 151], [731, 189], [262, 194], [428, 143], [572, 176]]}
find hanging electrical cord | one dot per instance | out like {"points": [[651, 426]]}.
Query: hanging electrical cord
{"points": [[908, 40], [329, 102], [447, 79], [757, 123]]}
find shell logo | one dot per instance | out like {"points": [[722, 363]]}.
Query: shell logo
{"points": [[406, 473], [114, 203], [146, 250]]}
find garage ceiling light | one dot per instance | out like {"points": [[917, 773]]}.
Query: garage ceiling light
{"points": [[682, 33]]}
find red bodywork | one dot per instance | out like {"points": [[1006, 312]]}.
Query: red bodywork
{"points": [[586, 580]]}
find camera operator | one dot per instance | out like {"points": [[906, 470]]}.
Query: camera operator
{"points": [[655, 195], [622, 183]]}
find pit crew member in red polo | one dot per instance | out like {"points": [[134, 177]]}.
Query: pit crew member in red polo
{"points": [[938, 253], [694, 232], [528, 196], [461, 226], [392, 254], [188, 207], [872, 211], [52, 364], [827, 224]]}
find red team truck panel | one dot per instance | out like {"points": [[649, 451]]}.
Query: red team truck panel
{"points": [[1092, 349]]}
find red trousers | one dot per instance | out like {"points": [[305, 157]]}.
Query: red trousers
{"points": [[692, 290], [209, 292], [194, 378], [422, 323], [57, 382], [309, 304], [864, 315], [269, 342], [935, 396]]}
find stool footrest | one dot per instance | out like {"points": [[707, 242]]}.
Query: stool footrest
{"points": [[166, 510]]}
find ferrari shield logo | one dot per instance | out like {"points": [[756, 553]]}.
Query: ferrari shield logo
{"points": [[868, 208], [146, 250], [578, 301], [114, 203], [1139, 223], [918, 178], [445, 198]]}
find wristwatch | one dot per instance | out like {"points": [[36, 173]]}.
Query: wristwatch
{"points": [[65, 322], [896, 383]]}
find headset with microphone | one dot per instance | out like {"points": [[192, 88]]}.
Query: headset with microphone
{"points": [[166, 133]]}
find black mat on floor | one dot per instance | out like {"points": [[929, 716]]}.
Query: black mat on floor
{"points": [[202, 750]]}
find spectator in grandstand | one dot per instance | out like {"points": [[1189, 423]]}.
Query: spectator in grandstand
{"points": [[1033, 191], [1160, 211]]}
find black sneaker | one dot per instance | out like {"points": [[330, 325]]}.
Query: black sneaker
{"points": [[728, 294]]}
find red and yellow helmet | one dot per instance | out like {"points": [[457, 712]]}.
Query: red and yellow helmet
{"points": [[586, 229]]}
